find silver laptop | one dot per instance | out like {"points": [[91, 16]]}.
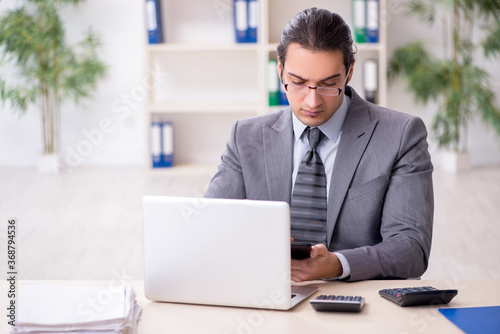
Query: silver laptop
{"points": [[219, 252]]}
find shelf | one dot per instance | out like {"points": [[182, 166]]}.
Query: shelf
{"points": [[370, 47], [210, 82], [361, 47], [186, 169], [180, 107], [164, 47]]}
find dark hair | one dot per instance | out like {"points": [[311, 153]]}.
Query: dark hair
{"points": [[318, 30]]}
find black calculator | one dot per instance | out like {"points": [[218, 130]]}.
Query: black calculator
{"points": [[338, 303], [425, 295]]}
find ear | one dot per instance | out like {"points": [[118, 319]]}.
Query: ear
{"points": [[350, 73], [280, 68]]}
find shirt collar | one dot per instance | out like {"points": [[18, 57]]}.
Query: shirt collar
{"points": [[331, 128]]}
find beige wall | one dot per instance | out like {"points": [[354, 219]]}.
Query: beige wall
{"points": [[122, 28]]}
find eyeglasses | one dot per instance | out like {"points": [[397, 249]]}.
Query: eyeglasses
{"points": [[325, 91]]}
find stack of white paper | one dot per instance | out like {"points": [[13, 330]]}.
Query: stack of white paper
{"points": [[57, 308]]}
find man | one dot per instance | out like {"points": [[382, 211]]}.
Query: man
{"points": [[378, 207]]}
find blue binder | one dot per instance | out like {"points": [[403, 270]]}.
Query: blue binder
{"points": [[154, 22], [241, 21], [283, 98], [372, 21], [273, 85], [155, 144], [167, 146], [253, 20], [162, 144]]}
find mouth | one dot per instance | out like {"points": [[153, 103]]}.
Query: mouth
{"points": [[312, 113]]}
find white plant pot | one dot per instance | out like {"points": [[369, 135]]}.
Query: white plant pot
{"points": [[455, 162], [48, 164]]}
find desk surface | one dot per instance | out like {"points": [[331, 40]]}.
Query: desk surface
{"points": [[378, 315]]}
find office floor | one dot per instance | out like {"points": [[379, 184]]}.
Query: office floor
{"points": [[86, 223]]}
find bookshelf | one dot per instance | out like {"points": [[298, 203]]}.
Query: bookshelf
{"points": [[208, 81]]}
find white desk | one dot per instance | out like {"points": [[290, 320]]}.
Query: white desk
{"points": [[378, 315]]}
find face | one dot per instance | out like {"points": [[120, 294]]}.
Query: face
{"points": [[317, 69]]}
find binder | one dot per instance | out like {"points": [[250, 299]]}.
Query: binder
{"points": [[372, 21], [155, 143], [370, 84], [167, 147], [273, 87], [359, 20], [162, 144], [253, 20], [283, 98], [241, 21], [153, 21]]}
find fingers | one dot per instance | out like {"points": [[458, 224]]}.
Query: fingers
{"points": [[318, 250], [297, 275], [297, 279], [297, 272], [321, 264]]}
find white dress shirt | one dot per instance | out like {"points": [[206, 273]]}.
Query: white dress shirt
{"points": [[327, 150]]}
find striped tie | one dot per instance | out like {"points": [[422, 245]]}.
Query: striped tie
{"points": [[308, 206]]}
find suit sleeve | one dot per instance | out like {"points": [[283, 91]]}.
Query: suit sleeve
{"points": [[228, 181], [407, 215]]}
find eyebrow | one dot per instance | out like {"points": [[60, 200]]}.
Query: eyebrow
{"points": [[322, 80]]}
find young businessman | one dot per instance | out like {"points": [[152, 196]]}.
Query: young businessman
{"points": [[379, 195]]}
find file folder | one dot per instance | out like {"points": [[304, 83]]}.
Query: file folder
{"points": [[472, 320], [372, 21], [167, 147], [241, 21], [153, 21], [283, 98], [253, 20], [370, 80], [155, 143], [359, 20], [273, 87], [162, 144]]}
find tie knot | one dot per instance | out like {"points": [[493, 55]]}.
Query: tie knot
{"points": [[314, 135]]}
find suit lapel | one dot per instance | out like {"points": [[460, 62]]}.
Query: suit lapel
{"points": [[356, 134], [278, 155]]}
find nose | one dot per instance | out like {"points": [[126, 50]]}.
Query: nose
{"points": [[313, 99]]}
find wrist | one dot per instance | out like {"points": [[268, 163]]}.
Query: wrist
{"points": [[336, 266]]}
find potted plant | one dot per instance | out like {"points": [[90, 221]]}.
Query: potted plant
{"points": [[32, 38], [461, 88]]}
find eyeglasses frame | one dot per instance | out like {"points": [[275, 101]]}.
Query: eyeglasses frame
{"points": [[316, 87]]}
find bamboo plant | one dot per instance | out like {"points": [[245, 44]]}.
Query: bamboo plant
{"points": [[461, 88], [48, 70]]}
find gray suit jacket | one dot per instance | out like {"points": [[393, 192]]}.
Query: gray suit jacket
{"points": [[380, 204]]}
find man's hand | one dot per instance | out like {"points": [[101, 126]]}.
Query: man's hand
{"points": [[321, 264]]}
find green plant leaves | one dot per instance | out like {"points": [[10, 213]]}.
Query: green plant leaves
{"points": [[491, 44], [462, 89], [426, 75], [35, 40]]}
